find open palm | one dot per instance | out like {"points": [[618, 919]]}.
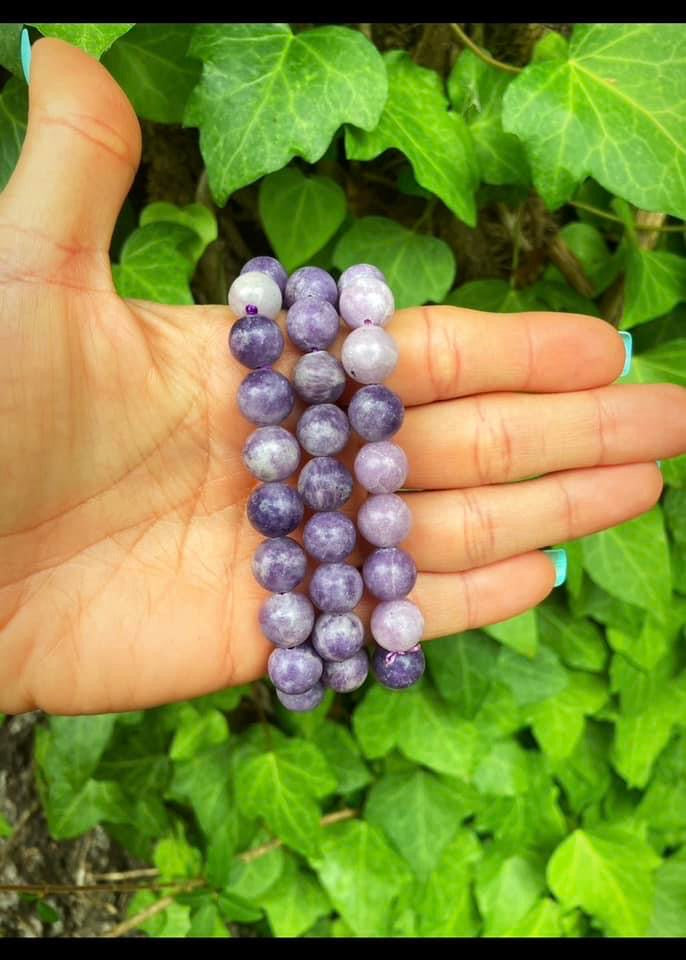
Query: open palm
{"points": [[125, 553]]}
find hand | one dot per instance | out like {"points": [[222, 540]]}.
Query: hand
{"points": [[125, 552]]}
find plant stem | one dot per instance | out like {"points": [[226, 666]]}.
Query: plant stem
{"points": [[483, 54], [596, 211], [150, 911]]}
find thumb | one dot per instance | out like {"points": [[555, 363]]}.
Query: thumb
{"points": [[80, 155]]}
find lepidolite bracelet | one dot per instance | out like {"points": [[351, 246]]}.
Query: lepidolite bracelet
{"points": [[327, 650]]}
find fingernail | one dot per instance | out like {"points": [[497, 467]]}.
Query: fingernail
{"points": [[628, 349], [25, 47], [559, 558]]}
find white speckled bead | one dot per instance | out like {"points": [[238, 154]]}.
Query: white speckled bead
{"points": [[255, 293], [369, 355], [366, 300]]}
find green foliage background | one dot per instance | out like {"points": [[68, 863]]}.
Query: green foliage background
{"points": [[534, 783]]}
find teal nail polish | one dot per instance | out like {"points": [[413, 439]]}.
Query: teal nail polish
{"points": [[659, 464], [559, 558], [628, 349], [25, 47]]}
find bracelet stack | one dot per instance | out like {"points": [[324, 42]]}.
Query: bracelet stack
{"points": [[316, 651]]}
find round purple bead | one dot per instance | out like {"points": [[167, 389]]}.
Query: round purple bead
{"points": [[294, 669], [397, 625], [325, 484], [302, 702], [343, 676], [369, 355], [376, 413], [270, 266], [389, 573], [337, 636], [323, 430], [381, 467], [271, 453], [319, 378], [279, 564], [312, 324], [265, 397], [367, 300], [256, 341], [275, 509], [384, 520], [287, 619], [356, 272], [310, 282], [336, 587], [398, 670], [329, 536]]}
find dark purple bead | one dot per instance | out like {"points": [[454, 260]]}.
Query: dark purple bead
{"points": [[265, 397], [323, 430], [312, 324], [256, 341], [389, 573], [398, 670], [310, 282], [294, 669], [270, 266], [329, 536], [319, 378], [287, 619], [343, 676], [302, 702], [325, 484], [279, 564], [275, 509], [271, 453], [337, 636], [376, 413], [336, 587]]}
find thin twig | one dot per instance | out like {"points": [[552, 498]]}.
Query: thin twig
{"points": [[670, 228], [482, 54], [151, 911], [347, 813], [70, 889], [128, 874]]}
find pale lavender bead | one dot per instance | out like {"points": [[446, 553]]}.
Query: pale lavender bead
{"points": [[271, 453], [265, 397], [294, 669], [367, 300], [369, 355], [356, 272], [302, 702], [311, 282], [389, 573], [287, 619], [337, 636], [270, 266], [381, 467], [319, 378], [336, 587], [344, 676], [398, 670], [397, 625], [279, 564], [325, 484], [376, 413], [256, 341], [252, 293], [312, 324], [329, 536], [384, 520], [275, 509], [323, 430]]}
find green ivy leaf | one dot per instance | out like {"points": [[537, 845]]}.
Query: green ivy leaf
{"points": [[295, 903], [655, 282], [446, 907], [197, 732], [476, 90], [362, 875], [674, 506], [664, 362], [151, 65], [558, 722], [532, 680], [254, 108], [503, 771], [494, 295], [585, 773], [203, 226], [250, 881], [506, 889], [71, 812], [639, 739], [154, 264], [203, 781], [14, 110], [674, 471], [620, 88], [462, 667], [631, 561], [94, 38], [576, 640], [542, 920], [300, 214], [206, 921], [70, 749], [669, 911], [418, 267], [175, 858], [588, 244], [174, 921], [436, 141], [432, 733], [10, 34], [519, 633], [608, 872], [342, 755]]}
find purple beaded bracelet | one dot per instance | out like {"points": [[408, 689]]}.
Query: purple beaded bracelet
{"points": [[316, 651]]}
